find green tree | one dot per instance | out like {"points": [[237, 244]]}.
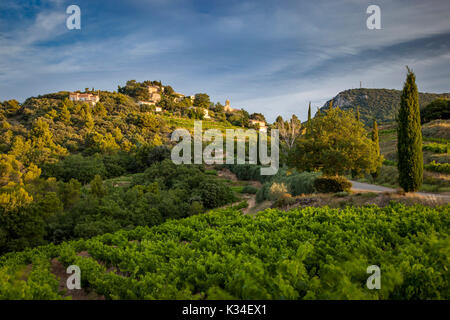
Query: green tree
{"points": [[201, 100], [100, 110], [409, 142], [89, 121], [337, 144], [65, 115], [97, 188], [358, 115]]}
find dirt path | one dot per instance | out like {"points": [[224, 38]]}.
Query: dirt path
{"points": [[366, 187], [250, 198], [251, 204]]}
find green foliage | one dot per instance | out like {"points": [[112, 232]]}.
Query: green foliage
{"points": [[250, 189], [310, 253], [284, 200], [296, 183], [202, 101], [97, 188], [336, 144], [248, 172], [438, 167], [409, 141], [437, 147], [76, 167], [437, 109], [330, 184]]}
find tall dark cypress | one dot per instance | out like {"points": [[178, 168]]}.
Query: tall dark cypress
{"points": [[308, 127], [357, 113], [409, 142]]}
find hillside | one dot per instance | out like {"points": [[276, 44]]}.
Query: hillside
{"points": [[379, 103]]}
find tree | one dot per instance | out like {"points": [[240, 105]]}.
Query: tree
{"points": [[438, 109], [100, 110], [336, 145], [65, 115], [358, 115], [308, 126], [201, 100], [97, 188], [89, 121], [376, 140], [289, 130], [409, 142]]}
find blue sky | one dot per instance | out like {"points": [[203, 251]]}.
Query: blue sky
{"points": [[271, 57]]}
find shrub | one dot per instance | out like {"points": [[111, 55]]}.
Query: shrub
{"points": [[437, 147], [277, 190], [300, 183], [438, 109], [332, 184], [438, 167], [284, 200], [296, 183], [250, 189], [240, 205]]}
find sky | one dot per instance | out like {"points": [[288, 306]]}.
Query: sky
{"points": [[271, 57]]}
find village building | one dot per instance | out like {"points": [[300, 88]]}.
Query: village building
{"points": [[84, 97], [178, 97], [154, 93], [227, 107], [260, 124]]}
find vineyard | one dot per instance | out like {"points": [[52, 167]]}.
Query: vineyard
{"points": [[309, 253]]}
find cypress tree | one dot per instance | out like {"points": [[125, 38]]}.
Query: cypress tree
{"points": [[376, 140], [409, 142], [357, 113], [308, 127]]}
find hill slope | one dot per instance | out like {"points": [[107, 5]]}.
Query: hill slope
{"points": [[379, 103]]}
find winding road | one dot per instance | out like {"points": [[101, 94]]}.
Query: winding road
{"points": [[366, 187]]}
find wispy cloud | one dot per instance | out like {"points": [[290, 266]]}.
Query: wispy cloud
{"points": [[267, 56]]}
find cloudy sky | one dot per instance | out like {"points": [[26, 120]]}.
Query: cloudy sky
{"points": [[265, 56]]}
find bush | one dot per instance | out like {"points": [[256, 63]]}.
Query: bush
{"points": [[438, 167], [283, 201], [296, 183], [250, 189], [437, 147], [438, 109], [77, 167], [332, 184], [277, 190], [300, 183]]}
